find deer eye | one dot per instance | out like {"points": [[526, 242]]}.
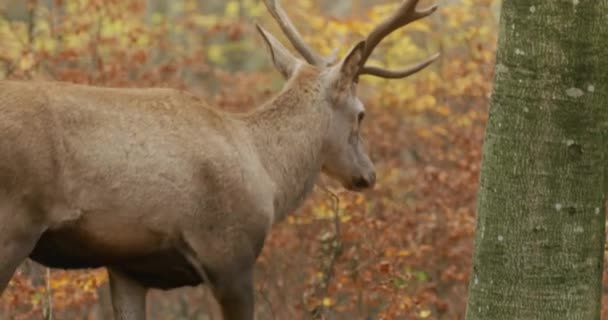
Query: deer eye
{"points": [[360, 116]]}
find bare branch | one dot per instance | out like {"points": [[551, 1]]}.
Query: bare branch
{"points": [[48, 302]]}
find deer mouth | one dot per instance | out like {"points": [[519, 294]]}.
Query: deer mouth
{"points": [[358, 184]]}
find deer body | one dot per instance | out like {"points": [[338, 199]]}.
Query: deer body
{"points": [[129, 202], [186, 175], [166, 191]]}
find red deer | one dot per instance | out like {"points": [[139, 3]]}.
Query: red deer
{"points": [[165, 191]]}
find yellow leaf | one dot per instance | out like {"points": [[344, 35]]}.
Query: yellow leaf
{"points": [[26, 62], [427, 101], [425, 314], [216, 54], [206, 21], [46, 44], [233, 9], [157, 18], [403, 253], [257, 10], [345, 218], [328, 302]]}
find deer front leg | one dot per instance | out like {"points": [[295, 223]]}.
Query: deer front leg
{"points": [[231, 282], [18, 236], [128, 297], [13, 251], [234, 292]]}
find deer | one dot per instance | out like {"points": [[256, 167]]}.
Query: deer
{"points": [[165, 190]]}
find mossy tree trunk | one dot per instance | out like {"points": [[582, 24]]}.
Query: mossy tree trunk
{"points": [[540, 215]]}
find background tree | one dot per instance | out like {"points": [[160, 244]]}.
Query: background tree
{"points": [[540, 226]]}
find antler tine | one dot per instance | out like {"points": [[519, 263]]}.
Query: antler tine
{"points": [[310, 55], [398, 74], [405, 14]]}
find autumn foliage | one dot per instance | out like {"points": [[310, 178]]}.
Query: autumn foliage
{"points": [[401, 251]]}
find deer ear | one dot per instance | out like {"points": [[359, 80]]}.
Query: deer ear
{"points": [[282, 59], [346, 72], [351, 63]]}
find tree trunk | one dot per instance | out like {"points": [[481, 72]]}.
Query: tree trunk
{"points": [[540, 225]]}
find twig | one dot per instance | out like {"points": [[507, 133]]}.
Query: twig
{"points": [[336, 249], [31, 22], [264, 296], [48, 308], [52, 21], [263, 293], [96, 62], [31, 34]]}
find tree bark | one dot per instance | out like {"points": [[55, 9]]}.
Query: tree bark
{"points": [[541, 204]]}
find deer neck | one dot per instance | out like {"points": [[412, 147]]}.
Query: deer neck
{"points": [[289, 132]]}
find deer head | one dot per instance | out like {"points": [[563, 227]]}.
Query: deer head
{"points": [[345, 157]]}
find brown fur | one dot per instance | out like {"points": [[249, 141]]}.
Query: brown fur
{"points": [[153, 183]]}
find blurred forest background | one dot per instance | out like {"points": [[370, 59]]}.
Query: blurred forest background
{"points": [[401, 251]]}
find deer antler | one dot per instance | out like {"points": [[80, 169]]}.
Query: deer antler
{"points": [[293, 35], [404, 15], [398, 74]]}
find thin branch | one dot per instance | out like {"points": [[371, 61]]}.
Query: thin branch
{"points": [[32, 7], [48, 307], [336, 250], [96, 62], [264, 296]]}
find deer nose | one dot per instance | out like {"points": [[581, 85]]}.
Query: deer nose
{"points": [[365, 182]]}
